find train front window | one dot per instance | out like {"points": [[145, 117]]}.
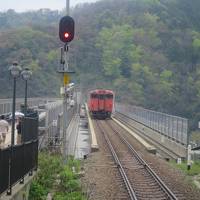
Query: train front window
{"points": [[94, 96], [109, 96], [101, 96]]}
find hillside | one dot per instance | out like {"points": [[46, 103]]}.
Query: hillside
{"points": [[148, 51]]}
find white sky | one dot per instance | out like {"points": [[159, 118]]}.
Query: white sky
{"points": [[23, 5]]}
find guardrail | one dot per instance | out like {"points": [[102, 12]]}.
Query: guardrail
{"points": [[6, 104], [16, 162], [173, 127]]}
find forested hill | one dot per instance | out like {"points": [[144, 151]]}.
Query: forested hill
{"points": [[148, 51]]}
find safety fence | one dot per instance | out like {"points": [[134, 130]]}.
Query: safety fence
{"points": [[53, 110], [173, 127], [71, 111], [54, 122], [6, 104], [16, 162], [30, 125]]}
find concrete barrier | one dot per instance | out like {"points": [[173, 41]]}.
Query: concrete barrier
{"points": [[20, 191], [94, 144], [150, 148]]}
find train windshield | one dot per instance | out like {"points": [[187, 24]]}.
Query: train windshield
{"points": [[101, 96], [94, 96], [109, 96]]}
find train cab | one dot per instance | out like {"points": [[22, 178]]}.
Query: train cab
{"points": [[100, 103]]}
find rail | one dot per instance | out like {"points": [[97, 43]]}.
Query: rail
{"points": [[137, 171], [146, 166], [169, 152], [168, 192], [119, 165]]}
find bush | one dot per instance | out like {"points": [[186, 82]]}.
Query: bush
{"points": [[69, 196], [73, 185], [74, 163], [37, 191], [51, 168], [66, 174]]}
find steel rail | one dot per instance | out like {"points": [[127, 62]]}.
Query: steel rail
{"points": [[119, 165], [146, 166], [161, 147]]}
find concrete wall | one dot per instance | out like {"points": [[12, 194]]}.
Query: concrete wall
{"points": [[20, 191]]}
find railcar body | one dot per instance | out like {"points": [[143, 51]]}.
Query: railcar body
{"points": [[100, 103]]}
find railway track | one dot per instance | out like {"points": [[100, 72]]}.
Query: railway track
{"points": [[110, 184], [140, 180], [162, 149]]}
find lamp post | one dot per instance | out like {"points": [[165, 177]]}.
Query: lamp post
{"points": [[26, 75], [15, 70]]}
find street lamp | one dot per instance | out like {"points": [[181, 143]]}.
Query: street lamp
{"points": [[26, 75], [15, 71]]}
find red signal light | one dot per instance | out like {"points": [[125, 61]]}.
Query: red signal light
{"points": [[66, 29], [66, 35]]}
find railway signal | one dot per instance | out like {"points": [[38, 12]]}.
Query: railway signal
{"points": [[66, 29]]}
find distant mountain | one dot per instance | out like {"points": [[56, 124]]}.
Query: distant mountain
{"points": [[147, 51]]}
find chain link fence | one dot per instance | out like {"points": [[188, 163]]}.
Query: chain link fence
{"points": [[173, 127]]}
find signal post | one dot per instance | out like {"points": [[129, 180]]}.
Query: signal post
{"points": [[66, 34]]}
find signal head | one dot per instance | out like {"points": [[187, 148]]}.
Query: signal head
{"points": [[66, 29]]}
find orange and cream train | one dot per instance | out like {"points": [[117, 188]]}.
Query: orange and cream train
{"points": [[100, 103]]}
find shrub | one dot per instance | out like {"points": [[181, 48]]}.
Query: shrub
{"points": [[37, 191], [51, 168], [73, 185]]}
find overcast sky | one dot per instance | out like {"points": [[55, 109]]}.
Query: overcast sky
{"points": [[23, 5]]}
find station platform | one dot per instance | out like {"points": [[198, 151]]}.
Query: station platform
{"points": [[150, 148], [94, 144]]}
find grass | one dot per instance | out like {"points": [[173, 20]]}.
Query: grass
{"points": [[56, 178], [194, 170]]}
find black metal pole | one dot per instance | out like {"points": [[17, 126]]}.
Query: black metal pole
{"points": [[12, 137], [13, 114], [22, 129], [25, 100]]}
